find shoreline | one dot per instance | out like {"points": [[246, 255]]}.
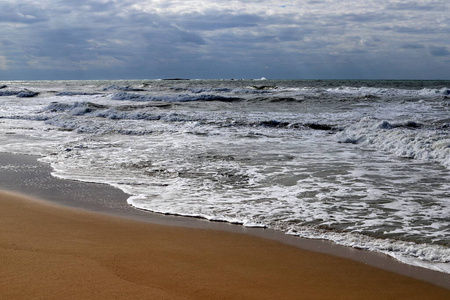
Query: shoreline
{"points": [[112, 203]]}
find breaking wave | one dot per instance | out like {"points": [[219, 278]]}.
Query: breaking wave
{"points": [[402, 139]]}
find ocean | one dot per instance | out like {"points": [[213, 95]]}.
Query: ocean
{"points": [[364, 164]]}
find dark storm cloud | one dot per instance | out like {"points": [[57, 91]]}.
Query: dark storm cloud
{"points": [[6, 43], [411, 5], [367, 17], [439, 51], [412, 46], [218, 20], [424, 30], [71, 43]]}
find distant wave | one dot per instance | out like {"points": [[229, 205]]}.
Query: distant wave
{"points": [[115, 113], [69, 93], [124, 96], [20, 94]]}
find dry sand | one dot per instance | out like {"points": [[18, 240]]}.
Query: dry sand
{"points": [[53, 252]]}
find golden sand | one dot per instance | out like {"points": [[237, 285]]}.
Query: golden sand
{"points": [[53, 252]]}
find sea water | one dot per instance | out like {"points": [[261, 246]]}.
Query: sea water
{"points": [[365, 164]]}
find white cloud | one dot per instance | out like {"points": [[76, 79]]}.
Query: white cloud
{"points": [[3, 63]]}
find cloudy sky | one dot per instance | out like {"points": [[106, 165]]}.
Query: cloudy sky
{"points": [[125, 39]]}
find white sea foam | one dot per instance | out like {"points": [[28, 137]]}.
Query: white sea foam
{"points": [[402, 139], [371, 92]]}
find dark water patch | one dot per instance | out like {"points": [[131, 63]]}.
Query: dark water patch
{"points": [[286, 99], [9, 93], [263, 87], [69, 93], [274, 123], [21, 94], [392, 125], [27, 94], [123, 88], [317, 126], [123, 96], [175, 79], [135, 107], [281, 124]]}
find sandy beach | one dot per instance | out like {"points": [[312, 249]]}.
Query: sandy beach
{"points": [[54, 252]]}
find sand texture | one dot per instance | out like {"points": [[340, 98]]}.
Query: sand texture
{"points": [[53, 252]]}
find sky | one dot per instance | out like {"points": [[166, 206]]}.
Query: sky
{"points": [[151, 39]]}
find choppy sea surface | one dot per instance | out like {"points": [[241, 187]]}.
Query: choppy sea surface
{"points": [[365, 164]]}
